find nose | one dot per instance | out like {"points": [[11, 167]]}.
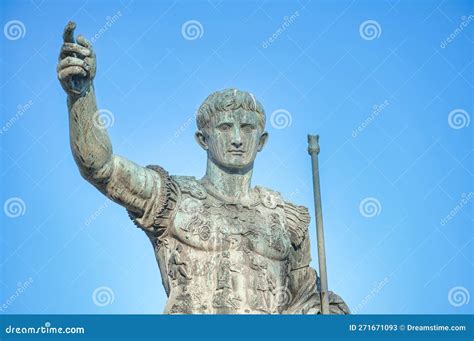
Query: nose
{"points": [[237, 144], [236, 139]]}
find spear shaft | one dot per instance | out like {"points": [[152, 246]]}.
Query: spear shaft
{"points": [[313, 150]]}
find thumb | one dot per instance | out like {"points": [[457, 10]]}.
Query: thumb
{"points": [[68, 35]]}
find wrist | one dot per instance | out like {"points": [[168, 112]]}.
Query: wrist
{"points": [[74, 95]]}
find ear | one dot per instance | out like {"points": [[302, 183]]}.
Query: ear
{"points": [[201, 139], [263, 140]]}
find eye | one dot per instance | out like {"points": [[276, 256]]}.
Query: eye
{"points": [[248, 128], [224, 127]]}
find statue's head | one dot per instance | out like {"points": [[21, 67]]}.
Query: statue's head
{"points": [[231, 128]]}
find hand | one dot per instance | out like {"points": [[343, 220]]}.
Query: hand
{"points": [[77, 63]]}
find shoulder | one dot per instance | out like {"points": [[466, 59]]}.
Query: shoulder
{"points": [[185, 184], [297, 216], [158, 209], [269, 197], [298, 219], [190, 185]]}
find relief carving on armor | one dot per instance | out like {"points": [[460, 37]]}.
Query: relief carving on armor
{"points": [[188, 184], [188, 303], [178, 272], [205, 267], [276, 238], [234, 242], [197, 226], [225, 296], [262, 298], [268, 199], [191, 205]]}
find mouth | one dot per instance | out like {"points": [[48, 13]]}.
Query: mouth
{"points": [[236, 152]]}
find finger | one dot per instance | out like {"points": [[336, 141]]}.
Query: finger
{"points": [[72, 71], [81, 40], [70, 48], [72, 61], [68, 35]]}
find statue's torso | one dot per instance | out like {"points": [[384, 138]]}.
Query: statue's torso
{"points": [[225, 258]]}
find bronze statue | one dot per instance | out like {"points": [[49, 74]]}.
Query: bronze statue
{"points": [[221, 245]]}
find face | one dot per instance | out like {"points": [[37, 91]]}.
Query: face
{"points": [[233, 139]]}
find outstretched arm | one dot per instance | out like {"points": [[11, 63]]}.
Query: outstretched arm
{"points": [[121, 180]]}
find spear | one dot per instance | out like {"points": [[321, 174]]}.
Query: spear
{"points": [[313, 150]]}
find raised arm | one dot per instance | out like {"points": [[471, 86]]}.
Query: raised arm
{"points": [[123, 181]]}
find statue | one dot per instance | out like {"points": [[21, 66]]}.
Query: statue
{"points": [[221, 245]]}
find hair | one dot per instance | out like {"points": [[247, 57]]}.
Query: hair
{"points": [[228, 100]]}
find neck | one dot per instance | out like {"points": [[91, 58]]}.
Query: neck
{"points": [[233, 184]]}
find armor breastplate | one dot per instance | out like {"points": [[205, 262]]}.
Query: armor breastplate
{"points": [[219, 258]]}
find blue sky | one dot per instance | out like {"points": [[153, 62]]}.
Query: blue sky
{"points": [[387, 85]]}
